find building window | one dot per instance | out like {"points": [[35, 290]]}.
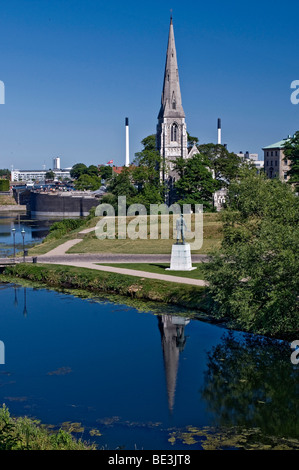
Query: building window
{"points": [[276, 153], [267, 162], [275, 162], [285, 161], [174, 132], [271, 154]]}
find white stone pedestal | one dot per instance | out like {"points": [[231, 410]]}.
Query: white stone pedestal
{"points": [[180, 258]]}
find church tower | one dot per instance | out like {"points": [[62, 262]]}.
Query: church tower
{"points": [[171, 137]]}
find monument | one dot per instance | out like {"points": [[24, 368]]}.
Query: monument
{"points": [[181, 251]]}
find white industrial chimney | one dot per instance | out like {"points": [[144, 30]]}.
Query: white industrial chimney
{"points": [[127, 143], [219, 131]]}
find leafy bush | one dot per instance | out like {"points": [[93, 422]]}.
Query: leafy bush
{"points": [[4, 185], [27, 434]]}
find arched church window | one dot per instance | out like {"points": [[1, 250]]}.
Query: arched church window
{"points": [[174, 132]]}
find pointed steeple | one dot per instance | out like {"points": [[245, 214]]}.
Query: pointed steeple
{"points": [[171, 102]]}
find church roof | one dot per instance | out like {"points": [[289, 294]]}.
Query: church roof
{"points": [[171, 101]]}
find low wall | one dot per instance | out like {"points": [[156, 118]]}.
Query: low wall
{"points": [[13, 208], [61, 205]]}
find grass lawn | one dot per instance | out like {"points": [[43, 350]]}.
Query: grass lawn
{"points": [[160, 268], [212, 236], [7, 200]]}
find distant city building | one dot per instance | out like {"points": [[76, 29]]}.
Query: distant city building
{"points": [[38, 175], [253, 158], [276, 165], [56, 163]]}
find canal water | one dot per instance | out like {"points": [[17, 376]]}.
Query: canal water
{"points": [[35, 229], [131, 379]]}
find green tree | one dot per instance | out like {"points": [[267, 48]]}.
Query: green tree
{"points": [[122, 184], [146, 173], [87, 182], [50, 175], [291, 151], [77, 170], [105, 172], [196, 184], [80, 169], [226, 165], [5, 173], [254, 277], [92, 170]]}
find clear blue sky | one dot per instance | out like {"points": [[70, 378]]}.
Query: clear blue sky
{"points": [[74, 69]]}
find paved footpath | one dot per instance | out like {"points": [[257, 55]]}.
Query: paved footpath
{"points": [[90, 260], [136, 273]]}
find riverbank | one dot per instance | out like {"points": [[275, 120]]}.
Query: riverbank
{"points": [[23, 433], [102, 283], [8, 204], [151, 294]]}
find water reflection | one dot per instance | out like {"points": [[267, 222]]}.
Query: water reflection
{"points": [[11, 227], [173, 340], [212, 383], [253, 383], [16, 290], [25, 312]]}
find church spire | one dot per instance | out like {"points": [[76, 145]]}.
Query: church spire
{"points": [[171, 102]]}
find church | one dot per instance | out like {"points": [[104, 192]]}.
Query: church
{"points": [[171, 134]]}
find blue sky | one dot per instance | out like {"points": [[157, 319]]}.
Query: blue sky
{"points": [[74, 69]]}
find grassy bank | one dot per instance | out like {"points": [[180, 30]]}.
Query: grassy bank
{"points": [[24, 433], [141, 293], [105, 284]]}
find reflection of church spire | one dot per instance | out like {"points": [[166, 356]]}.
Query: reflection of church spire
{"points": [[25, 312], [16, 298], [173, 342]]}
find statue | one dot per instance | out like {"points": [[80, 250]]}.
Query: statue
{"points": [[181, 227]]}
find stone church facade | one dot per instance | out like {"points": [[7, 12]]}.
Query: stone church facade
{"points": [[171, 135]]}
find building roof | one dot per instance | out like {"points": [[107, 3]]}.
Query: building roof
{"points": [[118, 169], [277, 145]]}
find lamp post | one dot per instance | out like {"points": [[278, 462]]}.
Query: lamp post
{"points": [[14, 243], [23, 235]]}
